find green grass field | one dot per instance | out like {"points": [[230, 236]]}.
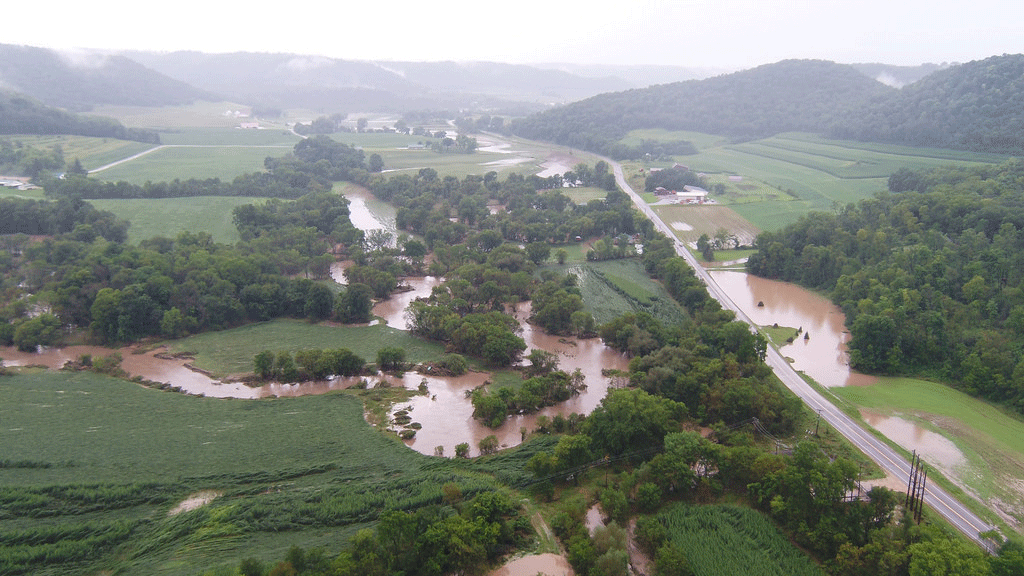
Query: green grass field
{"points": [[991, 439], [199, 114], [170, 216], [699, 140], [230, 137], [306, 471], [232, 351], [169, 163], [581, 196], [728, 540]]}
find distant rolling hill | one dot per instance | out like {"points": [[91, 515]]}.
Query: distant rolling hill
{"points": [[975, 106], [785, 96], [335, 85], [79, 81]]}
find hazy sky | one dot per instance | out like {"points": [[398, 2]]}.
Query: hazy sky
{"points": [[711, 33]]}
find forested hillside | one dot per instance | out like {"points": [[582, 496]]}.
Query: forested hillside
{"points": [[20, 114], [793, 95], [79, 81], [930, 275], [975, 106]]}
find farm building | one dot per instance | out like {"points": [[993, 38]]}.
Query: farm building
{"points": [[692, 195]]}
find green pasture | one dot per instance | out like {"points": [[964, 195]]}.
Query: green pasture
{"points": [[991, 439], [12, 193], [92, 152], [844, 162], [723, 256], [730, 540], [232, 351], [201, 113], [778, 336], [699, 140], [581, 196], [110, 456], [383, 141], [941, 154], [399, 161], [196, 136], [169, 217], [184, 162]]}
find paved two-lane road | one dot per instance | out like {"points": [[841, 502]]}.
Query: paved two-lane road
{"points": [[892, 462]]}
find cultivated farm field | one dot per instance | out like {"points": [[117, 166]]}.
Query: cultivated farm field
{"points": [[690, 221], [94, 469], [726, 540], [786, 176]]}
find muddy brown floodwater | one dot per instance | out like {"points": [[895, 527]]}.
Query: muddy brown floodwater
{"points": [[446, 413], [933, 448], [546, 564], [823, 355], [368, 213]]}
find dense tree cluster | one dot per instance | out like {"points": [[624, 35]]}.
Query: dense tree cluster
{"points": [[455, 538], [83, 274], [672, 179], [323, 125], [930, 277], [534, 209], [17, 158], [70, 216], [544, 385], [307, 364]]}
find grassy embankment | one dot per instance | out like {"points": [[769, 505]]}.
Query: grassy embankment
{"points": [[990, 438], [94, 465]]}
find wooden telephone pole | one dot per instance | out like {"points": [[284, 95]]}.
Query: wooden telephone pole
{"points": [[916, 487]]}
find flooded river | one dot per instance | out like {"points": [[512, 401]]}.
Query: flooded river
{"points": [[823, 355], [446, 413], [368, 213]]}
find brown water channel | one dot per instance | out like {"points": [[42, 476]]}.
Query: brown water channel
{"points": [[823, 355], [368, 213]]}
